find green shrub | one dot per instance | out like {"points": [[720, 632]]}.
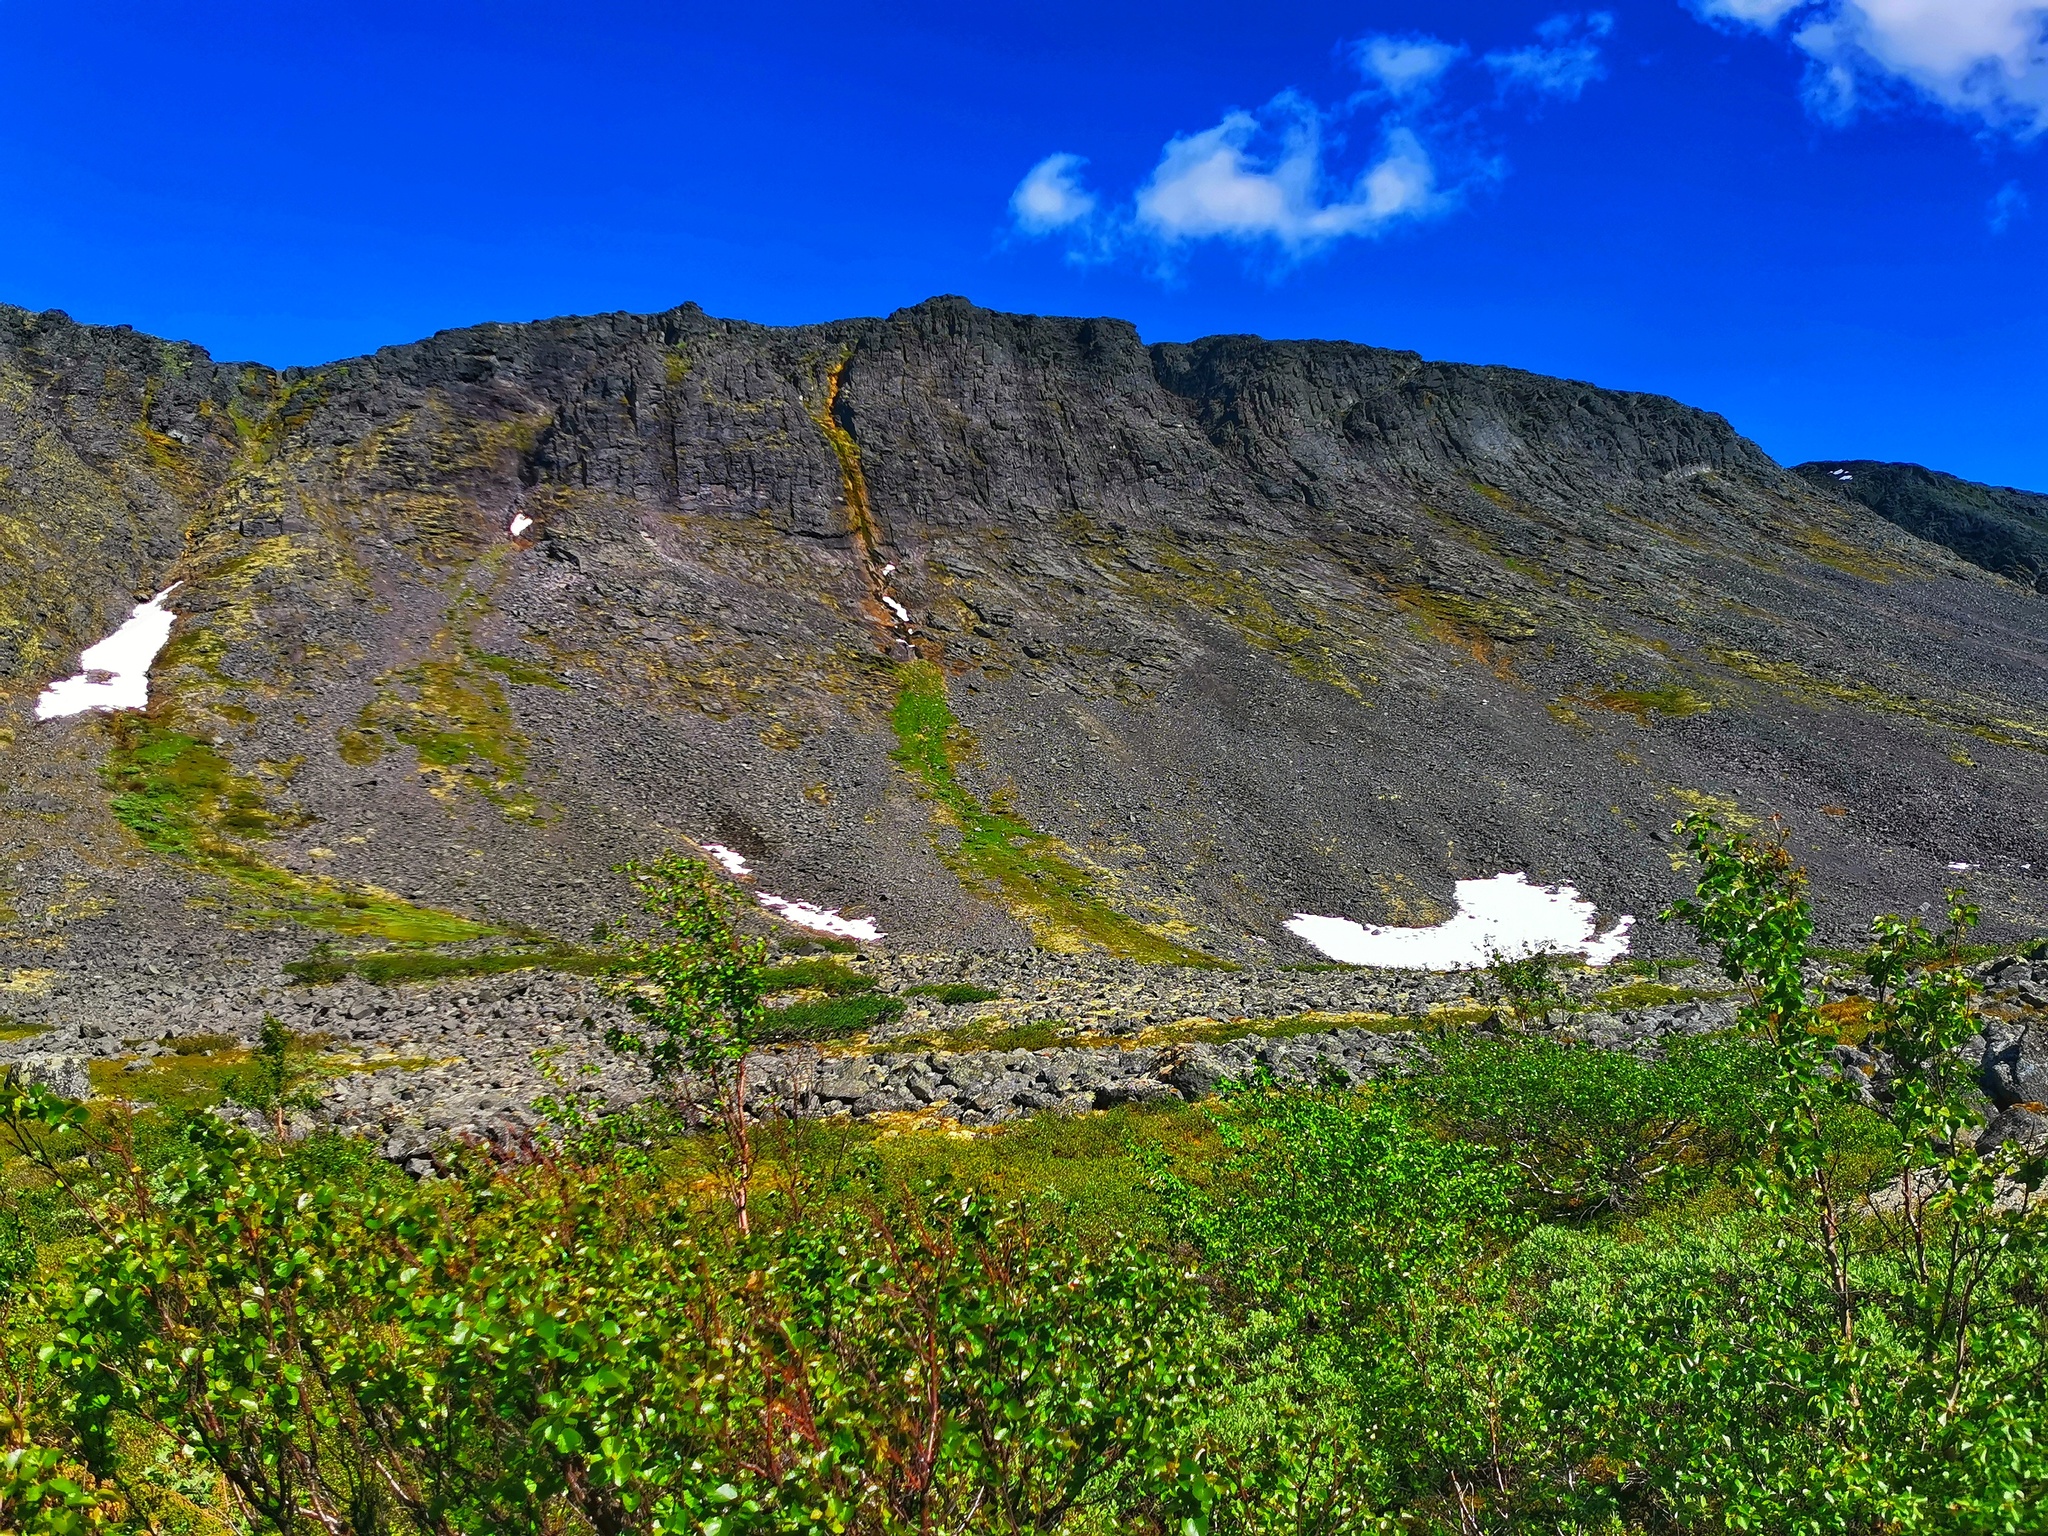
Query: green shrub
{"points": [[816, 975], [953, 994], [830, 1018], [1592, 1132], [566, 1346]]}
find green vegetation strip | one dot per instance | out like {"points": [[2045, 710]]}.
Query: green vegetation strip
{"points": [[1001, 855], [831, 1018], [183, 800], [392, 967], [953, 994]]}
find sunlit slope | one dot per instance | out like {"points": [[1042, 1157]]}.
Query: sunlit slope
{"points": [[990, 629]]}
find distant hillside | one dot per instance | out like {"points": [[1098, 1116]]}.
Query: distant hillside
{"points": [[1997, 527], [995, 630]]}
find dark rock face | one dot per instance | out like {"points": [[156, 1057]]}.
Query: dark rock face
{"points": [[1234, 629], [1995, 526], [2014, 1068]]}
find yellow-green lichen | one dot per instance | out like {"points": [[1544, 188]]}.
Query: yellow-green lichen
{"points": [[1950, 709], [1300, 638], [453, 712]]}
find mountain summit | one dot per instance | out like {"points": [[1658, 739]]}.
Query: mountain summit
{"points": [[975, 630]]}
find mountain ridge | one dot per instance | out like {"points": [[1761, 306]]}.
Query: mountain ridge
{"points": [[1193, 636]]}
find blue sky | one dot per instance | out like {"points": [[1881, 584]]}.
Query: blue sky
{"points": [[1825, 218]]}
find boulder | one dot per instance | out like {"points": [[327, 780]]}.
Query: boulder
{"points": [[2014, 1066], [66, 1076], [2027, 1128]]}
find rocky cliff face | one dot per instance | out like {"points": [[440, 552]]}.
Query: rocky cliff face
{"points": [[1995, 526], [998, 630]]}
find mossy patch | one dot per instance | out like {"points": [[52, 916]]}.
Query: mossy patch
{"points": [[1476, 626], [395, 967], [1000, 855], [1952, 710], [1643, 705], [829, 1018], [185, 1081], [827, 976], [183, 800], [992, 1034], [1301, 639], [453, 712], [513, 670], [953, 994]]}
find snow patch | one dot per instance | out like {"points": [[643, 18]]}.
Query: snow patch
{"points": [[735, 864], [1960, 868], [803, 913], [520, 523], [823, 919], [1502, 916], [124, 657], [902, 613]]}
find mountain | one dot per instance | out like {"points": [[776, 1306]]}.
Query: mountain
{"points": [[1997, 527], [992, 630]]}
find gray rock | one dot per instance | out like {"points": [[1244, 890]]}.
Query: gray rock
{"points": [[65, 1076], [2014, 1067], [2026, 1128]]}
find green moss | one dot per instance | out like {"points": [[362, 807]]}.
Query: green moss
{"points": [[393, 967], [990, 1034], [1303, 641], [173, 1082], [1953, 710], [831, 1018], [183, 800], [17, 1029], [514, 670], [1644, 704], [1001, 855], [1474, 625], [184, 1081], [178, 794], [819, 975], [953, 993], [454, 714]]}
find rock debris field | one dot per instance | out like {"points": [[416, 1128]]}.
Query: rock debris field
{"points": [[421, 1066]]}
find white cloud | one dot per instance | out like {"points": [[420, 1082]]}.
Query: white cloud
{"points": [[1563, 61], [1981, 59], [1297, 177], [2008, 205], [1758, 13], [1406, 66], [1226, 183], [1051, 197]]}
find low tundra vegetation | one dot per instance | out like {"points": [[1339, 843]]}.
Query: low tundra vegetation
{"points": [[1539, 1289]]}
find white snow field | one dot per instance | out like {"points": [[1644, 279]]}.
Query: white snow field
{"points": [[124, 657], [1504, 916], [803, 913]]}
